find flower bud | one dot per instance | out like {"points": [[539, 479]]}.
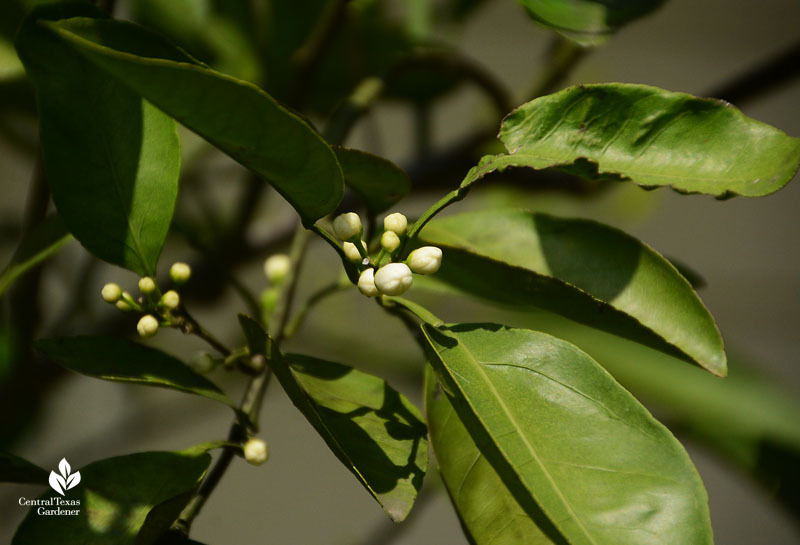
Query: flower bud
{"points": [[347, 226], [123, 305], [147, 326], [351, 251], [111, 293], [255, 451], [396, 223], [366, 283], [277, 268], [180, 273], [425, 260], [202, 363], [171, 299], [393, 279], [147, 285], [390, 241], [257, 363]]}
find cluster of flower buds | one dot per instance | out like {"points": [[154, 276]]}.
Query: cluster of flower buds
{"points": [[156, 307], [385, 275]]}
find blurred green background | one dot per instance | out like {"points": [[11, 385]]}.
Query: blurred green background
{"points": [[745, 249]]}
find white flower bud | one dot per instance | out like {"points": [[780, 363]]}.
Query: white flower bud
{"points": [[277, 268], [147, 326], [366, 283], [393, 279], [390, 241], [147, 285], [397, 223], [351, 251], [256, 451], [171, 299], [123, 305], [425, 260], [180, 273], [111, 293], [347, 226]]}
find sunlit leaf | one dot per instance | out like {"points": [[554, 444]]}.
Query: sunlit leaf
{"points": [[587, 271], [234, 115], [112, 159], [126, 500], [374, 430], [565, 437]]}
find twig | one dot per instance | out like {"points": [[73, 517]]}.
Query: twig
{"points": [[563, 57]]}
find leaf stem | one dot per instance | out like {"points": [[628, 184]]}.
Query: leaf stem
{"points": [[191, 326], [564, 56]]}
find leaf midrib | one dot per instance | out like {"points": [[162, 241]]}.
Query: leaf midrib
{"points": [[522, 436]]}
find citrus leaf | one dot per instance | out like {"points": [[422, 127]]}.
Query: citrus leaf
{"points": [[49, 237], [584, 270], [234, 115], [379, 182], [565, 437], [650, 136], [120, 360], [374, 430], [130, 499], [589, 22], [14, 469], [487, 509], [112, 159]]}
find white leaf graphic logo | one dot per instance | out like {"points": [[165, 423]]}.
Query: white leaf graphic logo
{"points": [[65, 481]]}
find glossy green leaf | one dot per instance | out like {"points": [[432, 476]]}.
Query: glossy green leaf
{"points": [[120, 360], [112, 159], [124, 500], [14, 469], [374, 430], [588, 22], [379, 182], [563, 435], [49, 237], [587, 271], [234, 115], [649, 136], [487, 509]]}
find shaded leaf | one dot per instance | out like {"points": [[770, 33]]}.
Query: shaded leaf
{"points": [[588, 22], [130, 499], [120, 360], [14, 469], [378, 181], [650, 136], [49, 237], [234, 115], [112, 159], [564, 436], [373, 430], [487, 509], [582, 269]]}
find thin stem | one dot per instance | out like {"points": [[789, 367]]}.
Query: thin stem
{"points": [[297, 320], [192, 326], [257, 386]]}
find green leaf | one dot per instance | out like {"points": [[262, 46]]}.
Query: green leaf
{"points": [[112, 159], [379, 182], [588, 22], [234, 115], [563, 435], [124, 500], [587, 271], [14, 469], [373, 430], [120, 360], [487, 509], [649, 136], [49, 237]]}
